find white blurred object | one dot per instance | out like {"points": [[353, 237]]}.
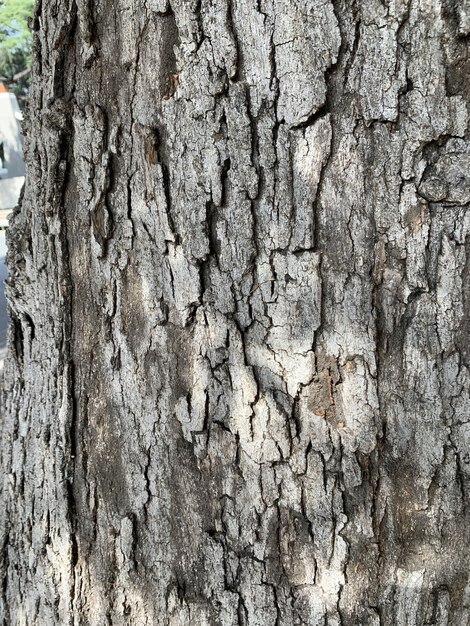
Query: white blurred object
{"points": [[9, 192], [12, 172], [3, 246]]}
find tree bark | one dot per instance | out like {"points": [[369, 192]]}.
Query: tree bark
{"points": [[237, 390]]}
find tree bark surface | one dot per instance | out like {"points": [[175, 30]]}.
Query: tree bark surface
{"points": [[237, 390]]}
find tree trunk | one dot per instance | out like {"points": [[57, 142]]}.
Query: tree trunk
{"points": [[237, 390]]}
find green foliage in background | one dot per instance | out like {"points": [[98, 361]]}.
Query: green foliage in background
{"points": [[15, 43]]}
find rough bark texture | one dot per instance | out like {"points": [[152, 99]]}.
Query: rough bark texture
{"points": [[238, 380]]}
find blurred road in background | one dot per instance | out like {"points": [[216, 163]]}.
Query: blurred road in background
{"points": [[11, 181], [3, 302]]}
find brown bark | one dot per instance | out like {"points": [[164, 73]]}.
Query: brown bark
{"points": [[237, 389]]}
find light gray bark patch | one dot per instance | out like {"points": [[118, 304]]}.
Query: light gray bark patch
{"points": [[306, 41]]}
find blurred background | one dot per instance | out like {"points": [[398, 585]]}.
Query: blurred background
{"points": [[15, 46], [15, 71]]}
